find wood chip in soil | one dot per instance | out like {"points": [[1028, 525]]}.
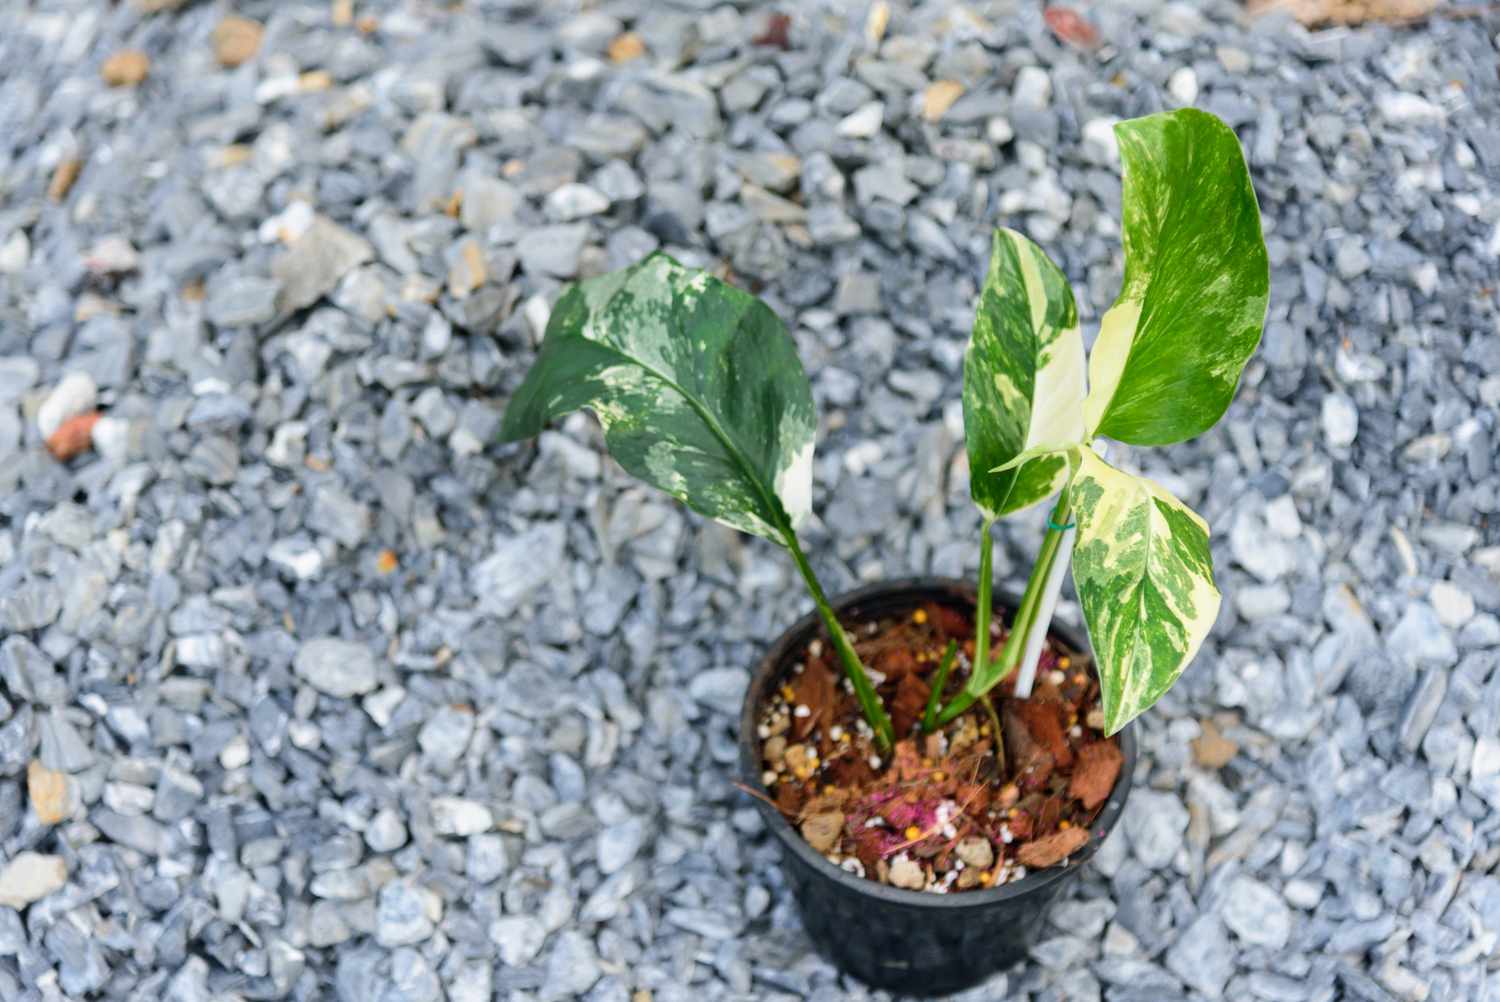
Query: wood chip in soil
{"points": [[1052, 849]]}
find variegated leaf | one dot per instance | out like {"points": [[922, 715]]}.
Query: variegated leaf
{"points": [[1023, 378], [1170, 351], [696, 384], [1144, 576]]}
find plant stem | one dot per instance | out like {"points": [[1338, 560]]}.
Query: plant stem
{"points": [[864, 691], [989, 708], [986, 676], [929, 716], [986, 586]]}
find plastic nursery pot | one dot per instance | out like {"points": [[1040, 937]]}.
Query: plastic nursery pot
{"points": [[912, 942]]}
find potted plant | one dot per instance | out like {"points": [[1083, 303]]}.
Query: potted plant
{"points": [[934, 777]]}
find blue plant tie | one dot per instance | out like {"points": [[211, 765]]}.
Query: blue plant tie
{"points": [[1060, 528]]}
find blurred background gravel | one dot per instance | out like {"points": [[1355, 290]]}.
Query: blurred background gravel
{"points": [[309, 690]]}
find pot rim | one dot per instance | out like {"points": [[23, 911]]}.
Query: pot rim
{"points": [[793, 638]]}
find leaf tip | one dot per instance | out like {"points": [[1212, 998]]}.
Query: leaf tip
{"points": [[513, 430], [522, 418]]}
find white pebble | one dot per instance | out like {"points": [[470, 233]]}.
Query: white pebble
{"points": [[304, 734], [111, 437], [236, 754], [76, 394], [537, 313], [1282, 517], [1033, 88], [864, 122], [1099, 140], [15, 253], [1340, 420], [29, 877], [1425, 275], [859, 458], [575, 201], [111, 255], [1454, 606], [1183, 85], [287, 225], [1405, 109]]}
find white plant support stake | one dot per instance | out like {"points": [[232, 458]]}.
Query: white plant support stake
{"points": [[1051, 589]]}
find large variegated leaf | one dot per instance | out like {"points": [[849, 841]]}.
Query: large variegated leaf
{"points": [[1023, 378], [696, 384], [1171, 349], [1144, 576]]}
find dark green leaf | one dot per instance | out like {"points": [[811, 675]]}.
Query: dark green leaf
{"points": [[696, 384]]}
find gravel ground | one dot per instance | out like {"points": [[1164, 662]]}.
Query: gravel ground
{"points": [[308, 690]]}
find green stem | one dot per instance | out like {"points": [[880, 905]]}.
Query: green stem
{"points": [[986, 587], [987, 675], [996, 729], [864, 691], [998, 733], [929, 716]]}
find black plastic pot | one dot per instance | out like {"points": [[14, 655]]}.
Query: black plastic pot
{"points": [[913, 942]]}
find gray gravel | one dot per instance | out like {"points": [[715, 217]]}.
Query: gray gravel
{"points": [[309, 690]]}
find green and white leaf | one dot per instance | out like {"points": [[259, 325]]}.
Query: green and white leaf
{"points": [[1144, 576], [1023, 379], [1037, 453], [697, 385], [1189, 316]]}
